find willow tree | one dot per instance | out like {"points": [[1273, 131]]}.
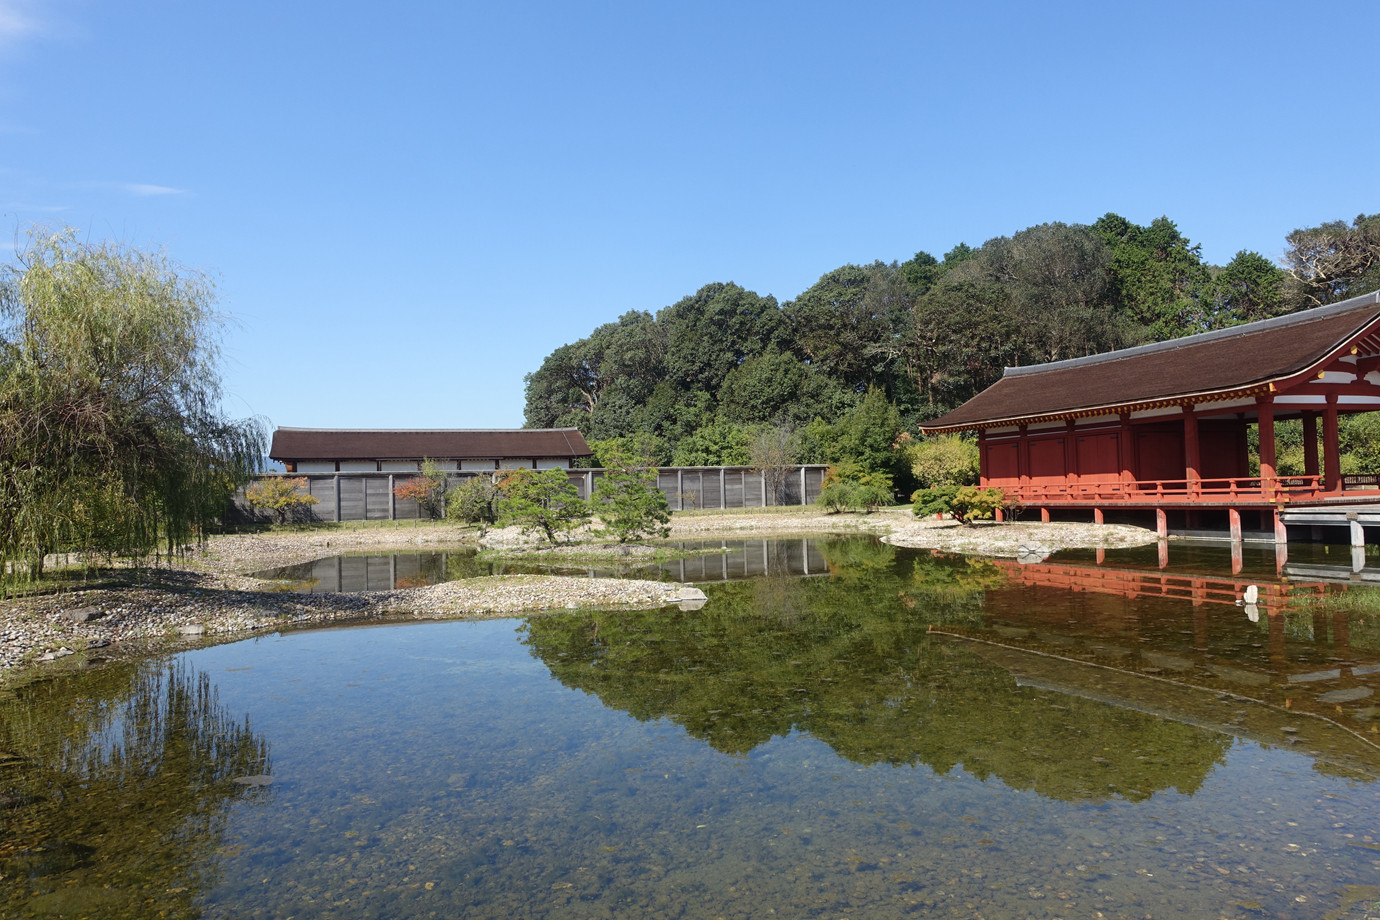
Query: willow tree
{"points": [[112, 438]]}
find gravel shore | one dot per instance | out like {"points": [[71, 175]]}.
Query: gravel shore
{"points": [[209, 595], [1019, 540]]}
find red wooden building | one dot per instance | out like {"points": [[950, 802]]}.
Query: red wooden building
{"points": [[1164, 427]]}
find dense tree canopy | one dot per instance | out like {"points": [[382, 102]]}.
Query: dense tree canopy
{"points": [[707, 373]]}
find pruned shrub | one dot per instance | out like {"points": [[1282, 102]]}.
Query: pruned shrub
{"points": [[282, 495], [965, 503], [428, 490], [474, 501], [848, 486], [545, 502], [943, 460], [627, 499]]}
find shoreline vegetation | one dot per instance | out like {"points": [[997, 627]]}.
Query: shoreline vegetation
{"points": [[208, 594]]}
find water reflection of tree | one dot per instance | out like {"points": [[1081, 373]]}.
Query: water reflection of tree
{"points": [[849, 659], [121, 792]]}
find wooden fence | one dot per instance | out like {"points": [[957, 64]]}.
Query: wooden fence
{"points": [[369, 496]]}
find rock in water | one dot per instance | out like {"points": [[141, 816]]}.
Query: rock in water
{"points": [[81, 614], [687, 595], [258, 779]]}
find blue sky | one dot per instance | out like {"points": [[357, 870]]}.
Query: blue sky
{"points": [[408, 206]]}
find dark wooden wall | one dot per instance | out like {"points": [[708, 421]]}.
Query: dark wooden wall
{"points": [[369, 496]]}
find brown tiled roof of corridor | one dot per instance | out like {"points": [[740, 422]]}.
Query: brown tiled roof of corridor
{"points": [[412, 444]]}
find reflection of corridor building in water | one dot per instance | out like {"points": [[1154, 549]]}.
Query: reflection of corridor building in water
{"points": [[1162, 430]]}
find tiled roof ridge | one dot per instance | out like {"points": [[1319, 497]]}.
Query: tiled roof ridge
{"points": [[1245, 329]]}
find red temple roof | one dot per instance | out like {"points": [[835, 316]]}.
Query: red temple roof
{"points": [[1204, 367]]}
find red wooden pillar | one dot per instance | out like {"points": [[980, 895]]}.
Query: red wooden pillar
{"points": [[1070, 453], [1265, 408], [983, 475], [1332, 469], [1192, 461], [1023, 455], [1310, 443], [1123, 448], [1243, 447]]}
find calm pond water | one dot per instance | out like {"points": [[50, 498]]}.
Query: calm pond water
{"points": [[912, 736], [714, 560]]}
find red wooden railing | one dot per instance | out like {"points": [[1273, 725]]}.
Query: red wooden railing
{"points": [[1171, 491]]}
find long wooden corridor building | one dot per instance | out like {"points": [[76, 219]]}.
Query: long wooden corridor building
{"points": [[1164, 428]]}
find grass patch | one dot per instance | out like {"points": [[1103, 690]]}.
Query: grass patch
{"points": [[1358, 606], [1357, 600]]}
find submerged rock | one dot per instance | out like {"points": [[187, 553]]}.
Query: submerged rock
{"points": [[258, 779], [689, 598]]}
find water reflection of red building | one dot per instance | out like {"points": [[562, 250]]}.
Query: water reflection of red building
{"points": [[1142, 583], [1192, 630]]}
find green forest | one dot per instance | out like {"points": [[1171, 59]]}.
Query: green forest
{"points": [[866, 354]]}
